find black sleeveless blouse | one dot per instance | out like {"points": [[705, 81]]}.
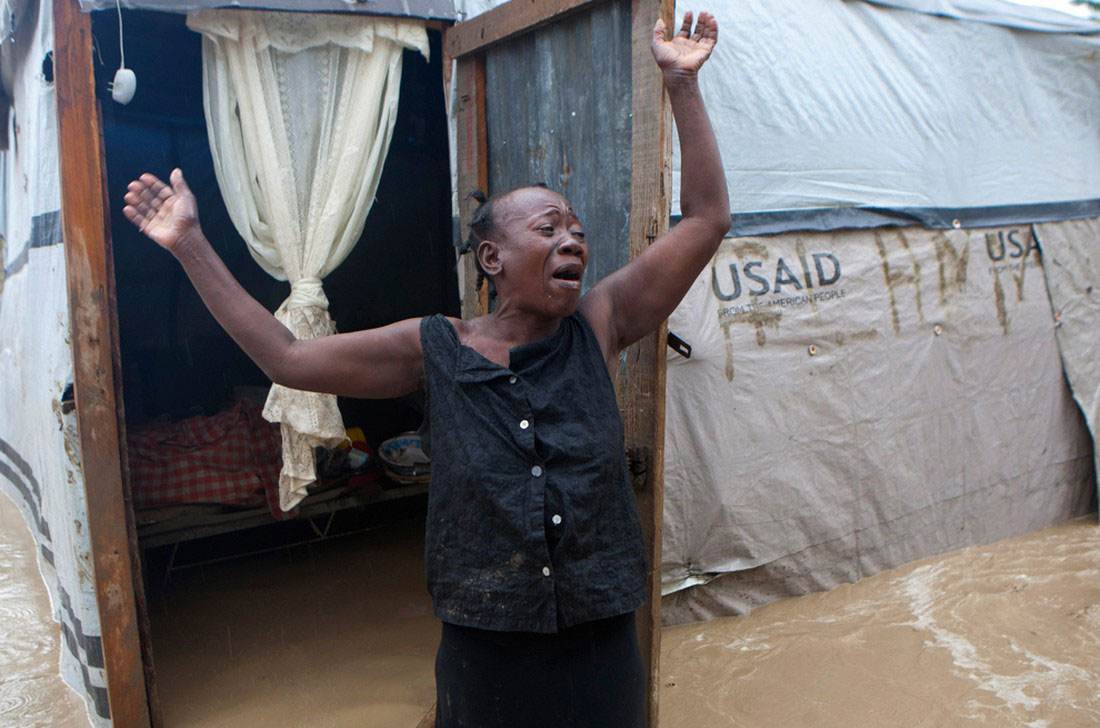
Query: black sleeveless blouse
{"points": [[531, 518]]}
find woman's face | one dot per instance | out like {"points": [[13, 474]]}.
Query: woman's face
{"points": [[538, 260]]}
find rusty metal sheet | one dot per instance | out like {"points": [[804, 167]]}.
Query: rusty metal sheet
{"points": [[558, 108]]}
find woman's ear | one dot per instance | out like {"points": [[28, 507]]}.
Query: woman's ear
{"points": [[488, 255]]}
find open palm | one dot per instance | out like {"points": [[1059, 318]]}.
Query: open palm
{"points": [[165, 213], [685, 51]]}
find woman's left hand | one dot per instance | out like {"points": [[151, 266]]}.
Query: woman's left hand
{"points": [[686, 52]]}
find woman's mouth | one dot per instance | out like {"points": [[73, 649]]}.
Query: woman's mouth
{"points": [[568, 275]]}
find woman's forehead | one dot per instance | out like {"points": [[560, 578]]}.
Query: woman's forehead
{"points": [[527, 202]]}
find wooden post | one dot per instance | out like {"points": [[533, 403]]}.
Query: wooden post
{"points": [[642, 378], [93, 334], [506, 21], [473, 166]]}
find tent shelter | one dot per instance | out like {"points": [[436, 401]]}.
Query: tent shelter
{"points": [[900, 329], [915, 190]]}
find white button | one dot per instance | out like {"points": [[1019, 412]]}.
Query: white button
{"points": [[546, 571], [512, 379], [524, 424], [536, 471], [556, 520]]}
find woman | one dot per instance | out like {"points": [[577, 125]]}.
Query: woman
{"points": [[534, 555]]}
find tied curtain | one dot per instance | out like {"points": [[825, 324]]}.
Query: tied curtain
{"points": [[300, 109]]}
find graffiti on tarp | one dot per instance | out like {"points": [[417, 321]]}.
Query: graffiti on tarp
{"points": [[758, 320], [896, 277], [948, 256], [753, 290], [1013, 252], [918, 277]]}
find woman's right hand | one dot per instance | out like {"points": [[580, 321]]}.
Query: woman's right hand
{"points": [[166, 213]]}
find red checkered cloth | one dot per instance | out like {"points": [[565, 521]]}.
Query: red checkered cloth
{"points": [[232, 458]]}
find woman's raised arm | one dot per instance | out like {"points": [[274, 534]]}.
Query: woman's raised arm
{"points": [[635, 299], [383, 362]]}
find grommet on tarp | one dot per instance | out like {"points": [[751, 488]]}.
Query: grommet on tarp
{"points": [[956, 223], [937, 329], [678, 345], [813, 350]]}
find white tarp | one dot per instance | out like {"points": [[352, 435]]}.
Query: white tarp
{"points": [[856, 400], [1071, 251], [823, 104], [999, 12], [39, 454]]}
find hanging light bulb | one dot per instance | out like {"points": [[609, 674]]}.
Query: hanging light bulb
{"points": [[124, 86]]}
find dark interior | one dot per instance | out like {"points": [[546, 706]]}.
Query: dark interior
{"points": [[176, 360]]}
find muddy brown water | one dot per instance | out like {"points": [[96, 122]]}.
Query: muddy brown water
{"points": [[999, 635], [341, 634], [32, 694], [333, 635]]}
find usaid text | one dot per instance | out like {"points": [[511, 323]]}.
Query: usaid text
{"points": [[757, 278], [1001, 244]]}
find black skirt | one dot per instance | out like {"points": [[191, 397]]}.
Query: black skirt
{"points": [[586, 676]]}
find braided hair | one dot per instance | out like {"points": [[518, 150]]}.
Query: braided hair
{"points": [[483, 227]]}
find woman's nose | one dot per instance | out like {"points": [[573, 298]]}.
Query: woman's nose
{"points": [[571, 246]]}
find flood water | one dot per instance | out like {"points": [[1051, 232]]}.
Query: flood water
{"points": [[332, 635], [999, 635], [32, 694], [341, 634]]}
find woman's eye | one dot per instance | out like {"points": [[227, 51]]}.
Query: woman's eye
{"points": [[578, 234], [547, 229]]}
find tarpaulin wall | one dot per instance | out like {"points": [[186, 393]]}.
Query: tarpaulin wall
{"points": [[1072, 255], [856, 400], [39, 454], [859, 399], [834, 113]]}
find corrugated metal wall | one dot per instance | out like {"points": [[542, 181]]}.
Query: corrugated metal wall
{"points": [[558, 106]]}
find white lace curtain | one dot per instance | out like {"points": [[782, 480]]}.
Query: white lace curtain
{"points": [[300, 109]]}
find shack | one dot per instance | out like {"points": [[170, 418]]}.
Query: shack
{"points": [[897, 327], [900, 328]]}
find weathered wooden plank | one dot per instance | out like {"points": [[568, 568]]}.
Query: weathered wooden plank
{"points": [[472, 156], [506, 21], [642, 385], [145, 631], [90, 283]]}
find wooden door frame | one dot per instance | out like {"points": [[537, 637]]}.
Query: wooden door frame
{"points": [[94, 326], [641, 385], [93, 332]]}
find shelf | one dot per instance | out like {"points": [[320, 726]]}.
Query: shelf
{"points": [[202, 523]]}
